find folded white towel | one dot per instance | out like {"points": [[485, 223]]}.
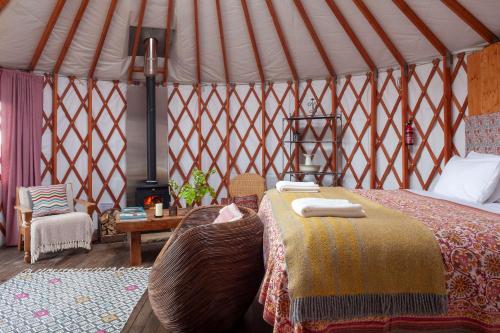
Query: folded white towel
{"points": [[309, 207], [288, 186]]}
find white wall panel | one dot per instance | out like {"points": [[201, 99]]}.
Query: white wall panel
{"points": [[245, 132], [388, 158]]}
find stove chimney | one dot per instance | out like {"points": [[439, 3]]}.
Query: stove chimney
{"points": [[150, 67]]}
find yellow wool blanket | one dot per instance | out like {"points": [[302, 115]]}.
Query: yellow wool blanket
{"points": [[386, 264]]}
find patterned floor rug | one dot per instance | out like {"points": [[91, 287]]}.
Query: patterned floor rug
{"points": [[88, 300]]}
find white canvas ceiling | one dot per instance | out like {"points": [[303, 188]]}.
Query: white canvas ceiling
{"points": [[22, 23]]}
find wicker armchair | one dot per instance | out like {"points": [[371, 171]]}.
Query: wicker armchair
{"points": [[207, 275], [247, 184]]}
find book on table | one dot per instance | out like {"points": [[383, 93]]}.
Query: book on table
{"points": [[133, 214]]}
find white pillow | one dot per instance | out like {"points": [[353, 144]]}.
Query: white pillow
{"points": [[476, 155], [495, 197], [471, 180]]}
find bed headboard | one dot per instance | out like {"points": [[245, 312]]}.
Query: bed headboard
{"points": [[482, 133]]}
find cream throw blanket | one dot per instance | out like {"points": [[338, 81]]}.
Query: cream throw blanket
{"points": [[288, 186], [60, 232], [309, 207]]}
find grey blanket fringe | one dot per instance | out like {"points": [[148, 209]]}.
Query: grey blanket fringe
{"points": [[335, 308]]}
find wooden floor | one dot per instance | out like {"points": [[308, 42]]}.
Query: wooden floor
{"points": [[142, 318]]}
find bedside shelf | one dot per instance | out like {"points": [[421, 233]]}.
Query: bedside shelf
{"points": [[292, 142], [312, 117]]}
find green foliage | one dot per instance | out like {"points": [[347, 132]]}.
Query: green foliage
{"points": [[193, 193], [174, 188]]}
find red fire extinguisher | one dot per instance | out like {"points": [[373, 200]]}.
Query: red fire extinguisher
{"points": [[409, 132]]}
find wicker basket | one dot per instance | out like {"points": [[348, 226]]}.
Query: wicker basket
{"points": [[207, 275]]}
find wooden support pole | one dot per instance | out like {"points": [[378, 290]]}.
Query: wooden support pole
{"points": [[55, 143], [373, 129], [228, 135], [90, 127], [333, 90], [198, 83], [295, 125], [404, 118], [263, 131], [447, 102], [198, 124]]}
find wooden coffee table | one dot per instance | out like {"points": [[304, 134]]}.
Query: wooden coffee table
{"points": [[135, 228]]}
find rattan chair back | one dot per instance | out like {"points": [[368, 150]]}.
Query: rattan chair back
{"points": [[247, 184]]}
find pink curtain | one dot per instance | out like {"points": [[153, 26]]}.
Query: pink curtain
{"points": [[21, 98]]}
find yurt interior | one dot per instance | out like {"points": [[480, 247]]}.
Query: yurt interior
{"points": [[303, 166]]}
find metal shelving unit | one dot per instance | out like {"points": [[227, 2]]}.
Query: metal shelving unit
{"points": [[294, 142]]}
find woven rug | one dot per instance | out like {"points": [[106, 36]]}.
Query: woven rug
{"points": [[88, 300]]}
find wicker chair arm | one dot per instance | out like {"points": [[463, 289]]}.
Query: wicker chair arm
{"points": [[23, 209], [27, 212]]}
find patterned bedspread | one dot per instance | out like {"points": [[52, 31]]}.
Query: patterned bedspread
{"points": [[470, 247]]}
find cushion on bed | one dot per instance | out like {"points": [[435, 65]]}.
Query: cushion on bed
{"points": [[495, 197], [472, 180], [249, 201], [228, 213]]}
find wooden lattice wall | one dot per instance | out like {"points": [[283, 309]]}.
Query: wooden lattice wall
{"points": [[230, 129], [94, 164], [225, 124]]}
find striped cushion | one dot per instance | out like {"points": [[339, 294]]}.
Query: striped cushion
{"points": [[49, 200]]}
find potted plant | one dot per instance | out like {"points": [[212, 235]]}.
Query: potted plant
{"points": [[195, 192], [175, 190]]}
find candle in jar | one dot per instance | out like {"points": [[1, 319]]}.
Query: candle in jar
{"points": [[159, 209]]}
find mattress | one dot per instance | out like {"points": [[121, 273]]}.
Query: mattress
{"points": [[468, 237]]}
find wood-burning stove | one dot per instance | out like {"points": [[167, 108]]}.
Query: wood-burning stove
{"points": [[147, 195], [150, 192]]}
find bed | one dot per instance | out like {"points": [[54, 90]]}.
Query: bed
{"points": [[468, 239]]}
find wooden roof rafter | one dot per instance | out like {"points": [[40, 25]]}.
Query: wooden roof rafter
{"points": [[137, 36], [380, 32], [352, 35], [197, 42], [421, 26], [170, 14], [102, 39], [315, 37], [471, 20], [281, 36], [248, 21], [222, 40], [3, 4], [71, 35], [46, 33]]}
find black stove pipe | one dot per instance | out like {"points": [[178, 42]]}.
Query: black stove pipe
{"points": [[150, 64], [151, 129]]}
